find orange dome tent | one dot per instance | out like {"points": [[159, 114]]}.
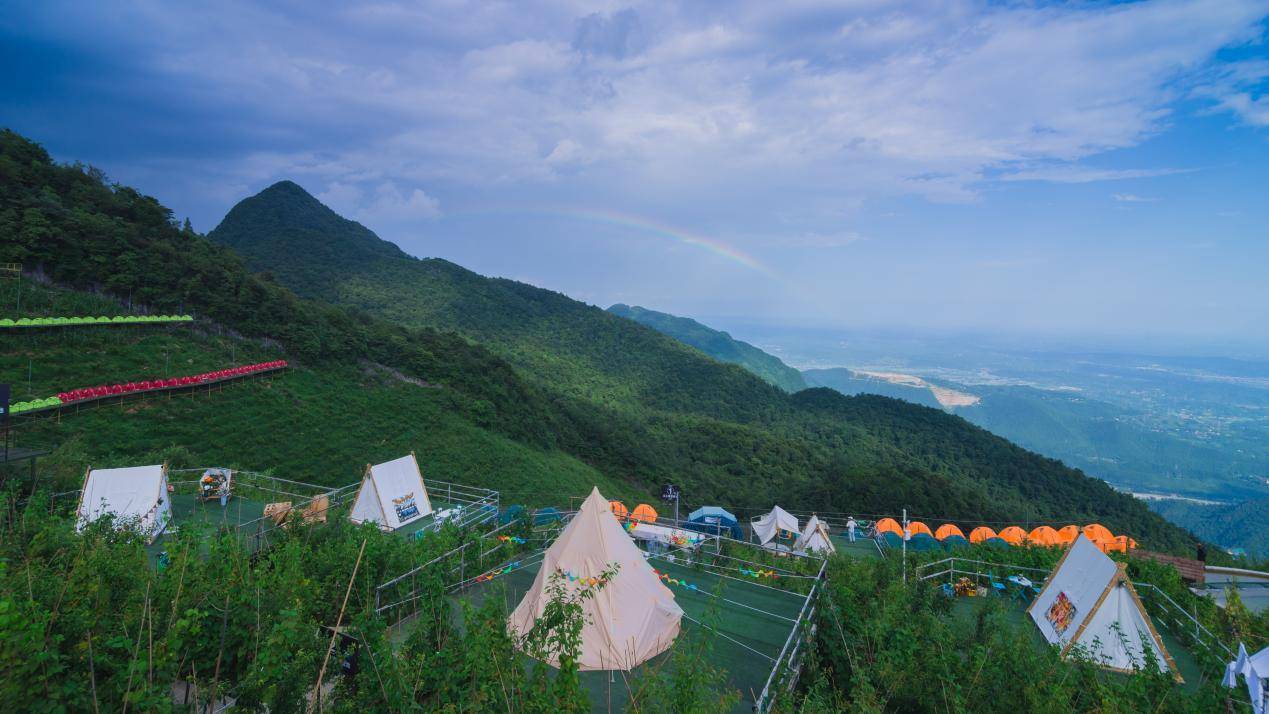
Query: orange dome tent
{"points": [[889, 525], [948, 529], [1068, 534], [980, 534], [1121, 544], [644, 513], [618, 510], [1045, 536], [1096, 532], [1013, 535], [915, 527]]}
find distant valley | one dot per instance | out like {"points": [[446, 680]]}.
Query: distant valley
{"points": [[1187, 435]]}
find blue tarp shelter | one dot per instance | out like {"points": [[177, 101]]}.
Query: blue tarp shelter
{"points": [[545, 515], [714, 520]]}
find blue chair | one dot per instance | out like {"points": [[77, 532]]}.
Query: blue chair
{"points": [[948, 591], [997, 586]]}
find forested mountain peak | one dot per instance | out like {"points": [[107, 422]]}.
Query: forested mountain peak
{"points": [[286, 220]]}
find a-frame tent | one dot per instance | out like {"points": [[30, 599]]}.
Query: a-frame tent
{"points": [[630, 618], [815, 538], [392, 494], [135, 495], [777, 522], [1090, 604]]}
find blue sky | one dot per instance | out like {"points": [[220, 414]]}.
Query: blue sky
{"points": [[1086, 170]]}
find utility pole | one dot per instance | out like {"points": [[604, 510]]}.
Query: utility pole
{"points": [[905, 546]]}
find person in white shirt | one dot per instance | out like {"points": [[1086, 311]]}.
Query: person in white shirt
{"points": [[851, 525]]}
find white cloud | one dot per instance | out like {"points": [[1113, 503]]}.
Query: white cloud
{"points": [[380, 204], [820, 240], [1133, 198], [1074, 173], [817, 104]]}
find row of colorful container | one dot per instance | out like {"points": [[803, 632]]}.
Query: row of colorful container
{"points": [[76, 395], [71, 321]]}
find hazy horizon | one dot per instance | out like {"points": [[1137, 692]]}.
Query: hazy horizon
{"points": [[1085, 173]]}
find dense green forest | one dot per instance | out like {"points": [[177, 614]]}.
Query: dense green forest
{"points": [[665, 411], [717, 344], [1239, 523]]}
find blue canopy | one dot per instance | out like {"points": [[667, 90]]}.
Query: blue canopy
{"points": [[511, 514], [545, 515], [714, 520]]}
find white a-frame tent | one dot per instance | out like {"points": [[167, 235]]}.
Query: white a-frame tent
{"points": [[815, 538], [136, 495], [773, 524], [1089, 603], [630, 618], [392, 494]]}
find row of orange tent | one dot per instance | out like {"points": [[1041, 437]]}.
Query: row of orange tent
{"points": [[1014, 535], [642, 513]]}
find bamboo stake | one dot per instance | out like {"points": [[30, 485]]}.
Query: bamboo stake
{"points": [[136, 648], [92, 672], [224, 624], [317, 692]]}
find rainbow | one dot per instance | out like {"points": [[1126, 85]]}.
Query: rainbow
{"points": [[647, 226]]}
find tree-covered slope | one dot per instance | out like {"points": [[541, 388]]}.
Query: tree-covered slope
{"points": [[661, 411], [717, 344], [1234, 526]]}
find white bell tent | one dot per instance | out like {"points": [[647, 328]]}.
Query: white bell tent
{"points": [[1255, 671], [775, 523], [630, 618], [815, 538], [136, 495], [1089, 603], [392, 494]]}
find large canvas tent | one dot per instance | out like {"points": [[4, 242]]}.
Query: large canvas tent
{"points": [[815, 538], [630, 618], [777, 522], [392, 494], [1089, 603], [134, 495]]}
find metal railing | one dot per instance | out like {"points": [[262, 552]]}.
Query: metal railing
{"points": [[473, 554], [1181, 623], [789, 662], [468, 505], [923, 572]]}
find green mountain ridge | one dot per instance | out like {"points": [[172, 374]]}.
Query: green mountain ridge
{"points": [[717, 344], [658, 410]]}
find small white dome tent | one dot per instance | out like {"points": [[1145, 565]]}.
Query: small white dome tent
{"points": [[1089, 603], [777, 522], [134, 495], [815, 538], [392, 494], [632, 618]]}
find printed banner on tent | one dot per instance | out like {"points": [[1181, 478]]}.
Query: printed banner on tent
{"points": [[1061, 613]]}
